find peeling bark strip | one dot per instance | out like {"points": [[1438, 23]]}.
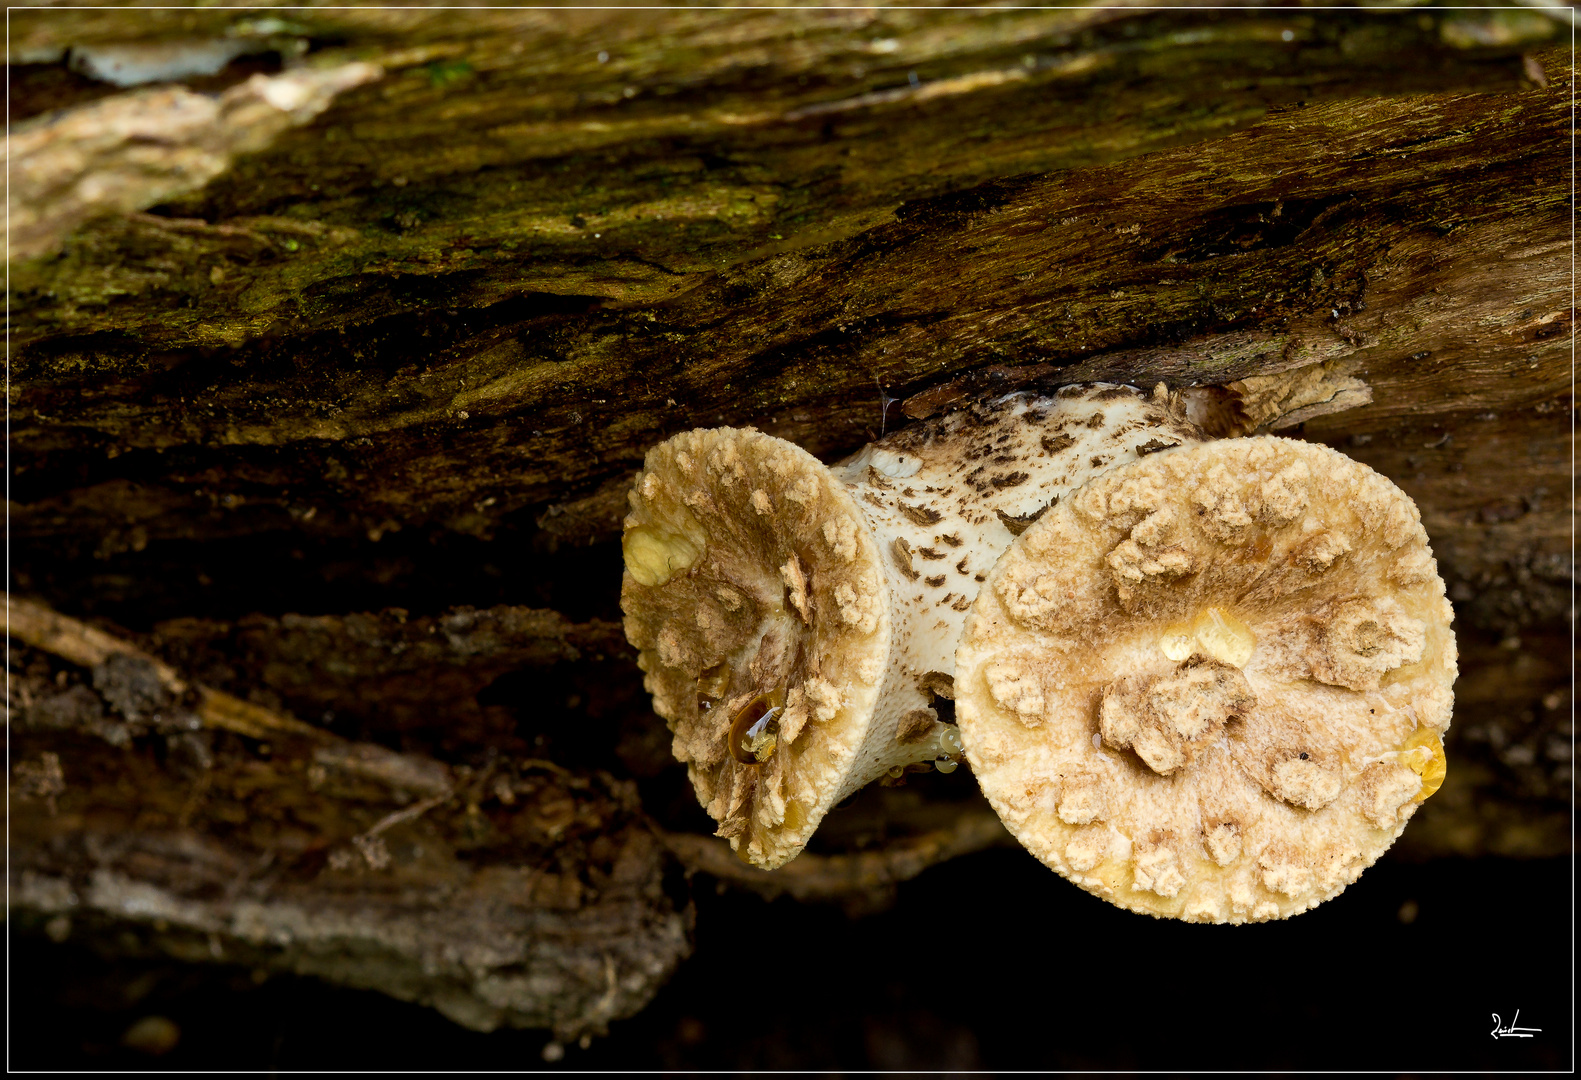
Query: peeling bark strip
{"points": [[69, 168], [852, 878], [488, 946]]}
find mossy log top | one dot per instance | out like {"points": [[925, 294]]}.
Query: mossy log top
{"points": [[482, 279], [344, 435]]}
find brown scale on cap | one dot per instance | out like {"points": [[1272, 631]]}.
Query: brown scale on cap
{"points": [[1168, 718], [1212, 684]]}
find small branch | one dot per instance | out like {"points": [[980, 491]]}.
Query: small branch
{"points": [[221, 710], [416, 810], [43, 628], [37, 625], [88, 646], [839, 877]]}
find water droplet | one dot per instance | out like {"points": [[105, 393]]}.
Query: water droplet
{"points": [[950, 739]]}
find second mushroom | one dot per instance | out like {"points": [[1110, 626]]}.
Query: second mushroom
{"points": [[1213, 684]]}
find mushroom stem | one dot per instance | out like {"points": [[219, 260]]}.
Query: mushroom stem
{"points": [[754, 572]]}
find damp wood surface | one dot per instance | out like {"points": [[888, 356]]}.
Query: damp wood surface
{"points": [[345, 432]]}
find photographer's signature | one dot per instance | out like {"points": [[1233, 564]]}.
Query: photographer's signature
{"points": [[1501, 1030]]}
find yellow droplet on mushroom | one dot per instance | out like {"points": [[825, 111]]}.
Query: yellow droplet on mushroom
{"points": [[1178, 641], [654, 557], [762, 747], [793, 814], [750, 740], [1423, 754], [1214, 633], [1223, 636]]}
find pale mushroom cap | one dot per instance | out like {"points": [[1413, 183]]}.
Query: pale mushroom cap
{"points": [[1211, 684], [750, 570]]}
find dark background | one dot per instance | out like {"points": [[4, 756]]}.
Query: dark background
{"points": [[987, 962]]}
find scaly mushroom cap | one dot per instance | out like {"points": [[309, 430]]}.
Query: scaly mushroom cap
{"points": [[753, 590], [1212, 684]]}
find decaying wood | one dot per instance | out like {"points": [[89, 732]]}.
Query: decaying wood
{"points": [[316, 662], [145, 676], [512, 891], [1360, 213], [516, 892]]}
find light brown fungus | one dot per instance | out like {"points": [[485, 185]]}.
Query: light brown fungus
{"points": [[1212, 684]]}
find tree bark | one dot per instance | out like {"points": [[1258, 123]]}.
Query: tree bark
{"points": [[318, 466]]}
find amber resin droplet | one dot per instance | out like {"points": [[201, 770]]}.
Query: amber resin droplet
{"points": [[751, 742]]}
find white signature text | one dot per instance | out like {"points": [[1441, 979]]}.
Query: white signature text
{"points": [[1501, 1030]]}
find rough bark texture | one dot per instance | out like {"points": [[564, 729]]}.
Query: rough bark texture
{"points": [[344, 435]]}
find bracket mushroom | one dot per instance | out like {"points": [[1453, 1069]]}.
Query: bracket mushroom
{"points": [[1212, 684], [797, 621]]}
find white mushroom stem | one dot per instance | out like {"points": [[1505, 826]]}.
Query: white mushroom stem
{"points": [[757, 577]]}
